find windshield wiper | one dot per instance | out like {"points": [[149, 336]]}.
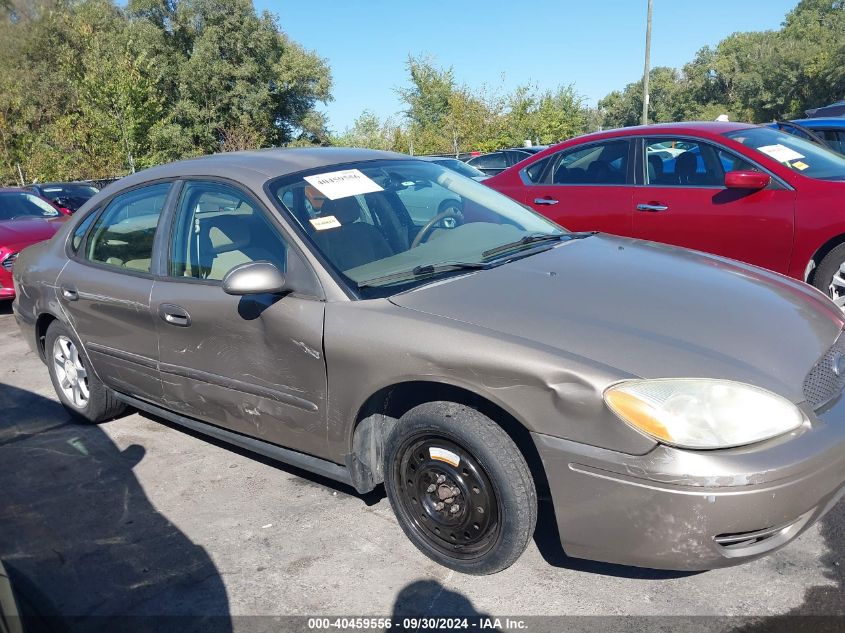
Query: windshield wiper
{"points": [[423, 270], [536, 238]]}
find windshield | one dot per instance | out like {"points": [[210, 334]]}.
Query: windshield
{"points": [[70, 196], [796, 153], [69, 191], [401, 223], [461, 167], [15, 204]]}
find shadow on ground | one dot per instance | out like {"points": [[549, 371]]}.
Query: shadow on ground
{"points": [[80, 537], [429, 599], [370, 498], [823, 609]]}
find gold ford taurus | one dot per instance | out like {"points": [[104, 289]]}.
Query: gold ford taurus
{"points": [[682, 411]]}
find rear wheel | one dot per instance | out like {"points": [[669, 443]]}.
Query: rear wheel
{"points": [[79, 390], [460, 488], [829, 276]]}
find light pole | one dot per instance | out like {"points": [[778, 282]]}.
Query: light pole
{"points": [[646, 71]]}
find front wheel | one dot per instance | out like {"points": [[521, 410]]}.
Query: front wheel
{"points": [[460, 488], [829, 276]]}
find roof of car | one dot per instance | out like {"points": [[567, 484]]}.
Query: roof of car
{"points": [[683, 127], [257, 166], [835, 121], [279, 161], [73, 183]]}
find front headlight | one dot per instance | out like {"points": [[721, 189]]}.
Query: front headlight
{"points": [[702, 413]]}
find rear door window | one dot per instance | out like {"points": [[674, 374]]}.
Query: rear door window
{"points": [[496, 160], [603, 163], [835, 139], [123, 235]]}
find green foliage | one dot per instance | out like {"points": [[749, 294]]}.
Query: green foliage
{"points": [[89, 88], [443, 116], [756, 76]]}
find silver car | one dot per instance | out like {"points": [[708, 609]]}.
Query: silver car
{"points": [[681, 410]]}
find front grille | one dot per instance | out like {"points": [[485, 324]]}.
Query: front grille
{"points": [[823, 383], [9, 262]]}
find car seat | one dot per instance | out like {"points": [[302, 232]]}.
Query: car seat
{"points": [[353, 243]]}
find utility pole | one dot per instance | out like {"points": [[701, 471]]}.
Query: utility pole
{"points": [[647, 63]]}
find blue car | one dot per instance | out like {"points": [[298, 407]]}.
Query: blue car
{"points": [[829, 131]]}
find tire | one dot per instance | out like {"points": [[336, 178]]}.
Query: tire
{"points": [[99, 404], [823, 277], [475, 516]]}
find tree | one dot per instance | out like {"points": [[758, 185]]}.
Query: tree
{"points": [[368, 131], [754, 76], [428, 96], [444, 116], [624, 108], [91, 89]]}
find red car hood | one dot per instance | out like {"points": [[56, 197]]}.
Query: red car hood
{"points": [[25, 231]]}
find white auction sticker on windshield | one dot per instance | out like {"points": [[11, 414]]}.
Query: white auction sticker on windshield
{"points": [[342, 184], [781, 153]]}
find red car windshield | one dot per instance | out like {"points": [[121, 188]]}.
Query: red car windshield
{"points": [[800, 155], [15, 204]]}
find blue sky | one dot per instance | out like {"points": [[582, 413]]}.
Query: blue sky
{"points": [[597, 45]]}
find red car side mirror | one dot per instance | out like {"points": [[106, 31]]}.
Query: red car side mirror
{"points": [[751, 180]]}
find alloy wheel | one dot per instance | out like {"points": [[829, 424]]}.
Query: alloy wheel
{"points": [[71, 374]]}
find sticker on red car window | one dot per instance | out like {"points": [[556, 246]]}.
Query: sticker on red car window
{"points": [[800, 165], [781, 153], [342, 184]]}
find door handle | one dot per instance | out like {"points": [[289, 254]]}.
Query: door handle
{"points": [[545, 201], [70, 293], [174, 315], [652, 207]]}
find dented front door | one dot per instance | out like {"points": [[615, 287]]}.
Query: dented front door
{"points": [[253, 365]]}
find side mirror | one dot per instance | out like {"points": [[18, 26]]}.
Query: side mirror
{"points": [[749, 180], [254, 278]]}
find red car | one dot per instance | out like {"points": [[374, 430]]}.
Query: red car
{"points": [[25, 219], [742, 191]]}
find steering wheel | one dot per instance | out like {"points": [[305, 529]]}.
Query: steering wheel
{"points": [[451, 212]]}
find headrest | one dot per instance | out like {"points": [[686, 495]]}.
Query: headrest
{"points": [[655, 166], [346, 210], [228, 233], [685, 163]]}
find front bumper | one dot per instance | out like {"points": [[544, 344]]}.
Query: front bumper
{"points": [[7, 288], [695, 510]]}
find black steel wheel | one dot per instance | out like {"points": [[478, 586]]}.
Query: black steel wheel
{"points": [[453, 503], [460, 488]]}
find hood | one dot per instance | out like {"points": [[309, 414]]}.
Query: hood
{"points": [[25, 231], [648, 310]]}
